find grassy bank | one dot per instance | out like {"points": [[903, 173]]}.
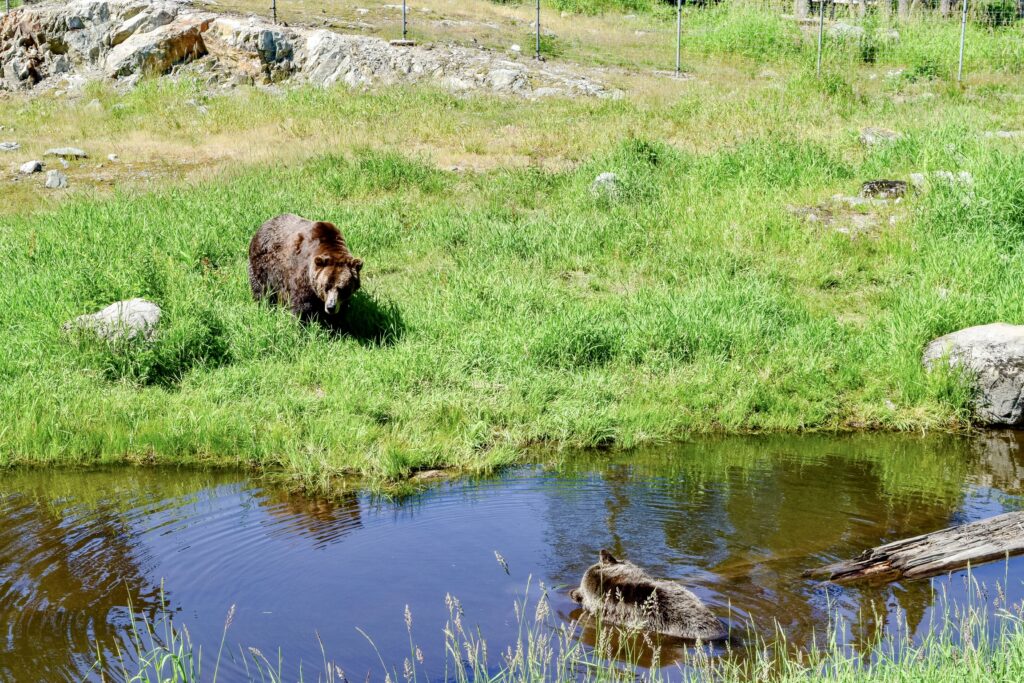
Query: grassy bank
{"points": [[512, 307], [506, 304]]}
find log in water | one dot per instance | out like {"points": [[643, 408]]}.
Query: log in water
{"points": [[931, 554]]}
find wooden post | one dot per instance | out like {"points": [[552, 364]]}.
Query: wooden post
{"points": [[931, 554]]}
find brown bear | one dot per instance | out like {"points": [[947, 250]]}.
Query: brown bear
{"points": [[624, 594], [305, 265]]}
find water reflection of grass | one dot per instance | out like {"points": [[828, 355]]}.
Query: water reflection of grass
{"points": [[962, 645], [934, 467]]}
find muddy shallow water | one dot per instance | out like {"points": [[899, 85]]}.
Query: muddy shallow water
{"points": [[736, 519]]}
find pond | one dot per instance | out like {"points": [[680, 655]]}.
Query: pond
{"points": [[736, 519]]}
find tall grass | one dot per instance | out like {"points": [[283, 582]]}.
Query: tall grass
{"points": [[975, 641]]}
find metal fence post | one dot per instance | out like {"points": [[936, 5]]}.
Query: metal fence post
{"points": [[821, 33], [679, 36], [963, 34], [273, 10], [537, 55], [405, 22]]}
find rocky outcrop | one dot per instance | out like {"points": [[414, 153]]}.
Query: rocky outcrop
{"points": [[993, 357], [126, 39]]}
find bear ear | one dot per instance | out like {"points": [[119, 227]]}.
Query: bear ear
{"points": [[357, 265], [321, 261], [607, 558]]}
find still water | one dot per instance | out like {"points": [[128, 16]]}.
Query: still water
{"points": [[735, 519]]}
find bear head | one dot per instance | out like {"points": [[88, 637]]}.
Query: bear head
{"points": [[335, 278]]}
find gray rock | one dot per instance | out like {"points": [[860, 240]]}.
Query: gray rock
{"points": [[993, 357], [30, 167], [67, 153], [55, 180], [9, 146], [120, 320], [872, 136], [606, 185]]}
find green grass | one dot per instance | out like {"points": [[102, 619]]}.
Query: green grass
{"points": [[508, 306]]}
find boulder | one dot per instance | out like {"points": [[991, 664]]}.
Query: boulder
{"points": [[120, 320], [9, 146], [30, 167], [993, 356], [55, 180]]}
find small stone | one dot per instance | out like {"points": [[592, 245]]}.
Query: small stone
{"points": [[878, 136], [112, 157], [516, 47], [55, 180], [30, 167], [9, 146], [606, 184], [67, 152]]}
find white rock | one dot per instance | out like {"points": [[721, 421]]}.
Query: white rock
{"points": [[30, 167], [121, 320], [606, 184]]}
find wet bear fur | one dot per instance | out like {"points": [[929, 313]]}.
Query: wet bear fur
{"points": [[304, 265], [624, 594]]}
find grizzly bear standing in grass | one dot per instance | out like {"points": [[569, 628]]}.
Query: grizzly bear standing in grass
{"points": [[305, 265]]}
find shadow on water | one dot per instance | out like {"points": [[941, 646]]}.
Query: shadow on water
{"points": [[737, 520]]}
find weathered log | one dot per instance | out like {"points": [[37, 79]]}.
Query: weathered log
{"points": [[930, 554]]}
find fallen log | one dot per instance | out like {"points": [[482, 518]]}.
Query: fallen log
{"points": [[927, 555]]}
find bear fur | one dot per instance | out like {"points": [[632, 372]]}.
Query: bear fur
{"points": [[624, 594], [304, 265]]}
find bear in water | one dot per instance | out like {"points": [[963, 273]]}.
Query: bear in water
{"points": [[305, 265], [624, 594]]}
